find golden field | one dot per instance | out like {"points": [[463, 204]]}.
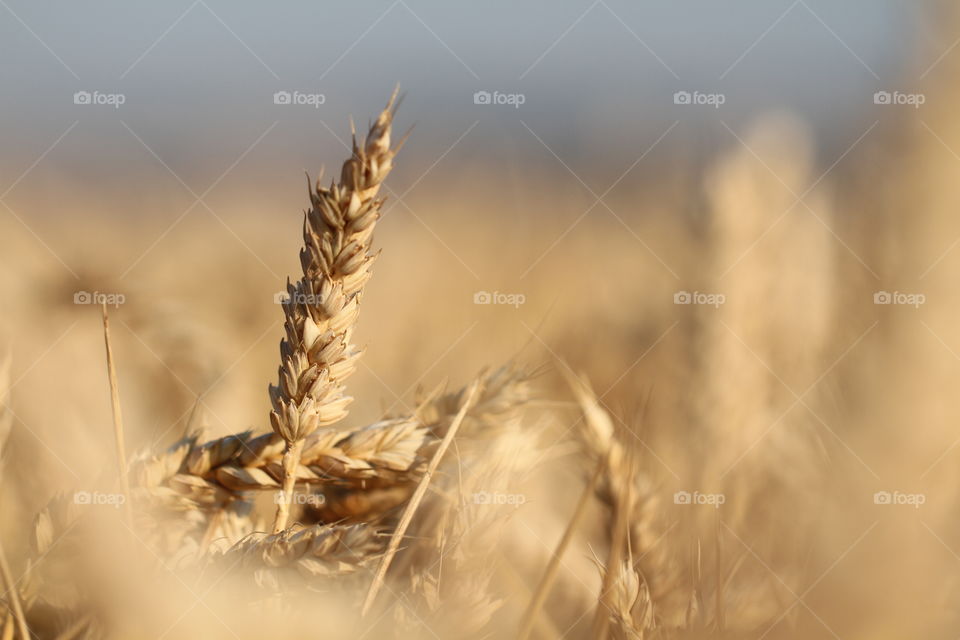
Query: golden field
{"points": [[733, 385]]}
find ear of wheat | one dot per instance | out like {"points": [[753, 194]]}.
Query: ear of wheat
{"points": [[317, 353]]}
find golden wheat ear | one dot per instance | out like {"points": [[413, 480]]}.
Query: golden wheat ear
{"points": [[317, 353]]}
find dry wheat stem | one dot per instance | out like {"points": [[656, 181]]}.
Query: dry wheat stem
{"points": [[718, 570], [9, 585], [6, 417], [550, 573], [13, 596], [417, 497], [117, 416], [291, 461], [316, 353]]}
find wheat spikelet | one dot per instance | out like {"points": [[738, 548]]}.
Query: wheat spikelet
{"points": [[631, 610], [317, 354]]}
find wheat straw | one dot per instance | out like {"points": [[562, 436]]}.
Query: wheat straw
{"points": [[12, 596], [117, 417], [11, 590]]}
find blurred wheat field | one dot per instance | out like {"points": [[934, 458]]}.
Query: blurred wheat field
{"points": [[713, 400]]}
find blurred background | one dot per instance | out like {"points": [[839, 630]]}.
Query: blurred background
{"points": [[736, 218]]}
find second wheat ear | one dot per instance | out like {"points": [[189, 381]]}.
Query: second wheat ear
{"points": [[317, 354]]}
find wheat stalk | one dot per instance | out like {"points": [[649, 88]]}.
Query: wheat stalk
{"points": [[117, 417], [317, 354], [12, 595], [10, 588]]}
